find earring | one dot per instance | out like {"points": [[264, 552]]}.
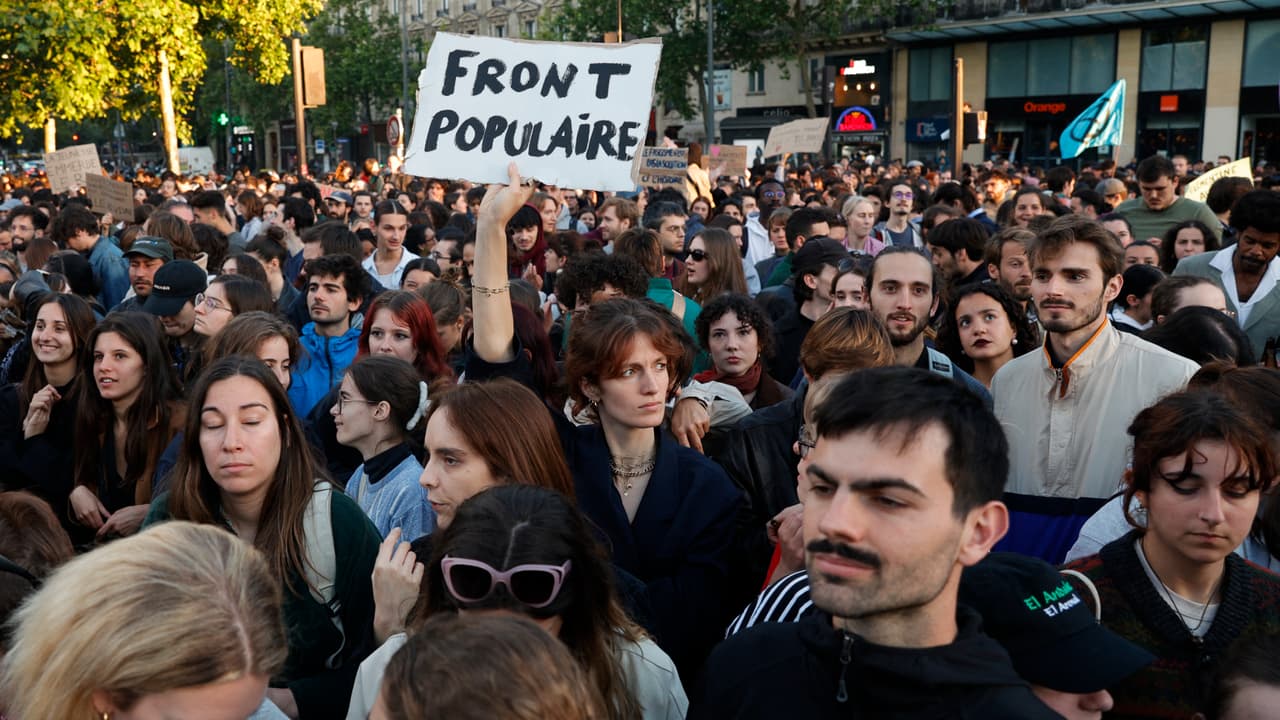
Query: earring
{"points": [[1015, 341]]}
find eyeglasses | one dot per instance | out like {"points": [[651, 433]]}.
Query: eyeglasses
{"points": [[903, 195], [210, 303], [805, 443], [344, 400], [775, 194], [698, 255], [471, 581]]}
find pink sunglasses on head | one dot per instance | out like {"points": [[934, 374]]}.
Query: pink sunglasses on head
{"points": [[471, 581]]}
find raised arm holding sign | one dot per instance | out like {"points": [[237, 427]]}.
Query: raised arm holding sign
{"points": [[572, 114]]}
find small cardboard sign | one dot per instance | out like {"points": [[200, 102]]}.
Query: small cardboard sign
{"points": [[110, 196], [67, 167], [663, 167], [1198, 189], [733, 158], [568, 114], [797, 136]]}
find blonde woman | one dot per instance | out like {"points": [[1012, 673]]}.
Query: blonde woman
{"points": [[182, 621]]}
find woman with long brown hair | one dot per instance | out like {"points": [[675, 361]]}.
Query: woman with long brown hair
{"points": [[714, 266], [534, 542], [126, 412], [246, 467]]}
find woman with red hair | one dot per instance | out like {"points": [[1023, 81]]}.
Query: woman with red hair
{"points": [[399, 323]]}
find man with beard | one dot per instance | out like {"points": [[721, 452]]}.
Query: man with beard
{"points": [[901, 492], [902, 289], [1247, 271], [668, 219], [769, 197], [26, 223], [1066, 409], [336, 287], [146, 256], [1160, 208], [1007, 265]]}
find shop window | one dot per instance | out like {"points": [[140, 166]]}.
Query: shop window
{"points": [[929, 74], [1174, 59], [1262, 54]]}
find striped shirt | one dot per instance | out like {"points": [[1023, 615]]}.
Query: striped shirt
{"points": [[787, 600]]}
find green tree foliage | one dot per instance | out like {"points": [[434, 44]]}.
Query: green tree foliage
{"points": [[682, 25], [362, 63], [78, 59]]}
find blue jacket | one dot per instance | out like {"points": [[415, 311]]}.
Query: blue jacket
{"points": [[111, 270], [326, 359]]}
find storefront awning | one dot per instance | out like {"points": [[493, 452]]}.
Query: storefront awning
{"points": [[1093, 15]]}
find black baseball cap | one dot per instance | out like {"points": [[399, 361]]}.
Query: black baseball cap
{"points": [[817, 252], [152, 247], [174, 285], [1046, 626]]}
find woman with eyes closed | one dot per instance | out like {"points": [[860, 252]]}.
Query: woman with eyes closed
{"points": [[398, 324], [246, 467], [125, 416], [984, 329], [37, 415], [666, 511], [1175, 586]]}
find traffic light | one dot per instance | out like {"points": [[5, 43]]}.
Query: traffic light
{"points": [[222, 118]]}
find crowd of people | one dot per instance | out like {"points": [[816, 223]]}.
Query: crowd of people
{"points": [[822, 441]]}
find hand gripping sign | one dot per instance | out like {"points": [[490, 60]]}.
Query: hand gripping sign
{"points": [[570, 114]]}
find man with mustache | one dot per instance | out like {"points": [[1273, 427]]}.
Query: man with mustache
{"points": [[902, 289], [336, 287], [1065, 409], [901, 493], [1007, 266], [1247, 271]]}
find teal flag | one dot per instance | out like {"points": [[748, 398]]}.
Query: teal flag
{"points": [[1101, 123]]}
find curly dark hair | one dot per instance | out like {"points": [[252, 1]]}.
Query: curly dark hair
{"points": [[748, 312], [949, 336], [590, 272]]}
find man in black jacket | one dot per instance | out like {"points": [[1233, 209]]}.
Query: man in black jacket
{"points": [[901, 492]]}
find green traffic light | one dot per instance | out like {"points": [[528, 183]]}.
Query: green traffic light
{"points": [[223, 118]]}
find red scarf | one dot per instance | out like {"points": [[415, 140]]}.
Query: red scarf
{"points": [[746, 383]]}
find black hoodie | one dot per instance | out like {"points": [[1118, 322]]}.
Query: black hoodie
{"points": [[809, 669]]}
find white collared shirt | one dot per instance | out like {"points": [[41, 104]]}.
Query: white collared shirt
{"points": [[1223, 260], [390, 281]]}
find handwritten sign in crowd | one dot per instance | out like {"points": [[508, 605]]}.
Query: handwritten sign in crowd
{"points": [[797, 136], [663, 167], [568, 114], [67, 167]]}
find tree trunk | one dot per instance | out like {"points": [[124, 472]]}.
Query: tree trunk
{"points": [[166, 112], [50, 135], [806, 85], [704, 101]]}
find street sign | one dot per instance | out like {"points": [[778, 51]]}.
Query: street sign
{"points": [[393, 131], [319, 147]]}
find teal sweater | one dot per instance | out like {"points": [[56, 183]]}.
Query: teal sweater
{"points": [[319, 691]]}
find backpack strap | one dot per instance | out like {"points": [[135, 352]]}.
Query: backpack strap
{"points": [[678, 305], [940, 364], [322, 560]]}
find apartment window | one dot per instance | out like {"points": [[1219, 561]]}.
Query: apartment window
{"points": [[755, 81], [1262, 53], [929, 74], [444, 5], [499, 30], [1175, 58], [530, 28], [418, 7]]}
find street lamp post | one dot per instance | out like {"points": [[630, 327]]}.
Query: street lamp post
{"points": [[710, 109]]}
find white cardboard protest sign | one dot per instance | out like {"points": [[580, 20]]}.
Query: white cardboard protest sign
{"points": [[663, 167], [732, 157], [569, 114], [1198, 189], [110, 196], [67, 167], [797, 136]]}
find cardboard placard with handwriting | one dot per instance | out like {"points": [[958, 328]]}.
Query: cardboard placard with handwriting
{"points": [[67, 167], [663, 167], [110, 196], [732, 157], [797, 136]]}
